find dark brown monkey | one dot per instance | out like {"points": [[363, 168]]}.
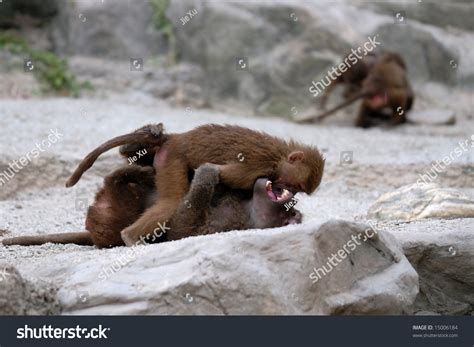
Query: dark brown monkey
{"points": [[352, 79], [381, 81], [207, 208], [243, 156]]}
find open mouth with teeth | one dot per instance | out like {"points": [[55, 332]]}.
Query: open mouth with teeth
{"points": [[277, 192]]}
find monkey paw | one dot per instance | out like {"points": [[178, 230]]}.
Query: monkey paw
{"points": [[207, 173], [128, 238]]}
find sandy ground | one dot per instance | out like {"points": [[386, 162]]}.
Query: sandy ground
{"points": [[36, 201]]}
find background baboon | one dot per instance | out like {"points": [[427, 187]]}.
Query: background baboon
{"points": [[381, 81]]}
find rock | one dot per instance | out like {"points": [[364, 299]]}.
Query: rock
{"points": [[285, 48], [443, 14], [442, 252], [39, 10], [240, 272], [427, 57], [122, 31], [180, 84], [281, 55], [418, 201], [432, 117], [20, 297]]}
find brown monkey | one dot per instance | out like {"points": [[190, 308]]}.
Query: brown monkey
{"points": [[352, 78], [146, 138], [243, 155], [207, 208], [382, 83]]}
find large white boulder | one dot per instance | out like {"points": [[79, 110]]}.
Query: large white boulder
{"points": [[244, 272]]}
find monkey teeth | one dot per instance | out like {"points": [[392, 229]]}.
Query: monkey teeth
{"points": [[284, 195], [270, 193], [268, 185]]}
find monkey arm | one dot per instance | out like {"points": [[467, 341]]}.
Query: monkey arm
{"points": [[400, 97], [323, 115], [327, 92], [238, 175], [192, 212]]}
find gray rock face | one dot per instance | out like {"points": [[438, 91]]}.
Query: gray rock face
{"points": [[440, 13], [443, 255], [284, 46], [418, 201], [122, 30], [20, 297], [40, 10], [427, 57], [179, 84], [280, 56], [249, 272]]}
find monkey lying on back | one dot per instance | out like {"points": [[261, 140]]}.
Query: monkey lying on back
{"points": [[381, 80], [207, 208], [243, 156]]}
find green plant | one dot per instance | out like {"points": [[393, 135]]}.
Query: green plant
{"points": [[49, 69], [159, 14], [13, 43], [164, 25]]}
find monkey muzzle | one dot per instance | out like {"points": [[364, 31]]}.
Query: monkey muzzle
{"points": [[277, 192]]}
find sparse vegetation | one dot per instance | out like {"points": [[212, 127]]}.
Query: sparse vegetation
{"points": [[164, 25], [49, 69]]}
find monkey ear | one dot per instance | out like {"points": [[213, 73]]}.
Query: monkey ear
{"points": [[295, 156]]}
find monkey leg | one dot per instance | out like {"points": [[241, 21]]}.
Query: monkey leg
{"points": [[143, 153], [328, 91], [351, 90], [192, 213], [400, 104], [171, 184], [366, 116], [397, 118]]}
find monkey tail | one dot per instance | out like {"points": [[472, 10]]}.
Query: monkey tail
{"points": [[151, 138], [334, 109], [82, 238]]}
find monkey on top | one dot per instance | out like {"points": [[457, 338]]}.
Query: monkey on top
{"points": [[151, 192]]}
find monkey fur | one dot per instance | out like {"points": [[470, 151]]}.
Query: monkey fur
{"points": [[381, 81], [207, 208], [243, 156]]}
